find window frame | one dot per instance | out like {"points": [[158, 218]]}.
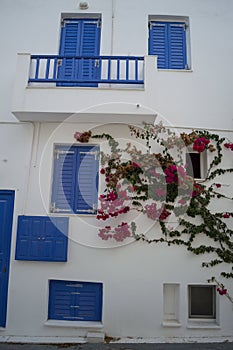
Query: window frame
{"points": [[214, 304], [52, 201], [72, 290], [202, 163], [174, 19]]}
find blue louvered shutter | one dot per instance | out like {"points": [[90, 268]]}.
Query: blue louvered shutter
{"points": [[42, 238], [177, 46], [87, 177], [75, 183], [158, 43], [70, 46], [75, 301], [167, 40], [90, 46], [64, 181], [79, 37]]}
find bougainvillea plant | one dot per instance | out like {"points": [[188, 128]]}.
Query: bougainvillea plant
{"points": [[154, 182]]}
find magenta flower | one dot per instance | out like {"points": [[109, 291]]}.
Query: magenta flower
{"points": [[222, 291], [218, 185], [226, 215], [200, 144]]}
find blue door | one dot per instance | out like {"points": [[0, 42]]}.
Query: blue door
{"points": [[79, 38], [6, 216]]}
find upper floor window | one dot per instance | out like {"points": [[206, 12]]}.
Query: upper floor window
{"points": [[168, 41], [75, 179], [80, 37]]}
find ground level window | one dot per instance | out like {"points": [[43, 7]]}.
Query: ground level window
{"points": [[75, 301], [202, 301], [196, 164]]}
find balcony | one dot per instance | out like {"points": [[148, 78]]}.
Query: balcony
{"points": [[86, 71], [94, 89]]}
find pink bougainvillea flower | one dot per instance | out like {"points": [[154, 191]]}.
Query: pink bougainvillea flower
{"points": [[226, 215], [160, 192], [135, 165], [102, 171], [229, 146], [121, 232], [222, 291], [182, 201], [218, 185], [200, 144], [165, 213], [197, 189]]}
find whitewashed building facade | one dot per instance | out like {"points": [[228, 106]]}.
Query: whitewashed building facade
{"points": [[59, 281]]}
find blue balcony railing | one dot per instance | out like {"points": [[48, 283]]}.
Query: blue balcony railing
{"points": [[86, 71]]}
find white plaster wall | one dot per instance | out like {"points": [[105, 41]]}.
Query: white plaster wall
{"points": [[133, 274]]}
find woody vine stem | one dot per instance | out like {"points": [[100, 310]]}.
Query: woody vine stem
{"points": [[157, 185]]}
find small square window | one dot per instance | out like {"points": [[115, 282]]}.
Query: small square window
{"points": [[196, 164], [202, 302]]}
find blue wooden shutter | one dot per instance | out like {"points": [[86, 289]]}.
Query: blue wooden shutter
{"points": [[41, 238], [64, 179], [87, 176], [167, 40], [79, 37], [90, 46], [69, 46], [75, 181], [158, 39], [177, 46], [75, 301]]}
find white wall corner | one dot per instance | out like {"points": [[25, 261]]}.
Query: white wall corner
{"points": [[21, 81]]}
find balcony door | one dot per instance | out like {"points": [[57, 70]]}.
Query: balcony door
{"points": [[79, 38]]}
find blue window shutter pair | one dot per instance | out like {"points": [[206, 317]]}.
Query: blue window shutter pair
{"points": [[167, 40], [75, 301], [41, 238], [75, 183], [79, 37]]}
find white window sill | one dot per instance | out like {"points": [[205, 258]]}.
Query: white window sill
{"points": [[74, 324], [171, 323], [2, 329], [203, 324], [175, 70]]}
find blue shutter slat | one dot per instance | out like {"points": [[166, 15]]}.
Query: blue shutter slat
{"points": [[75, 301], [42, 238], [87, 189]]}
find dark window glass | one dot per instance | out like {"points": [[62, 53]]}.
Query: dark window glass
{"points": [[193, 162], [201, 301]]}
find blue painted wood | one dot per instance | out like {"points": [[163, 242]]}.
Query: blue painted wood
{"points": [[42, 238], [75, 179], [167, 40], [6, 217], [75, 301], [79, 37], [76, 80], [64, 178], [87, 179]]}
